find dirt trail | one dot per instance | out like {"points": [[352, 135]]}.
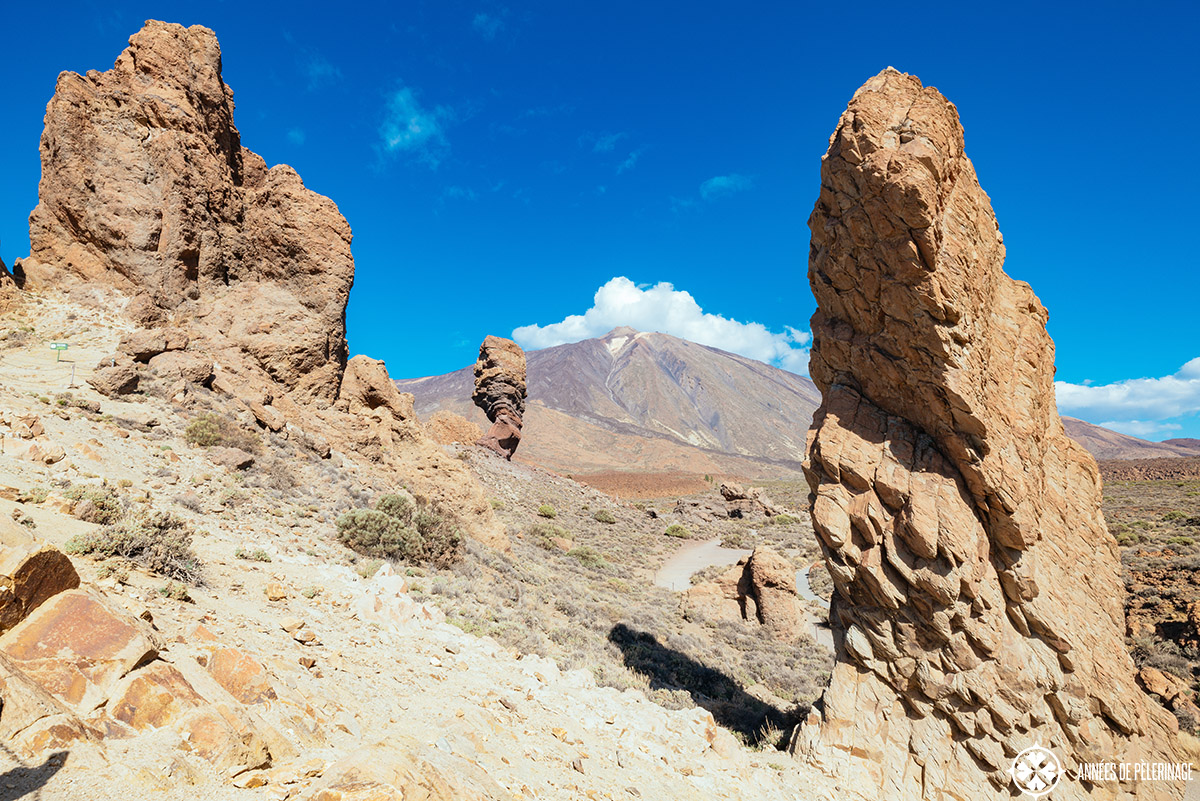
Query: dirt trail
{"points": [[676, 572]]}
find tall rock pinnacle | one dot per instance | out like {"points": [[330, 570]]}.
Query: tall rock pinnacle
{"points": [[146, 187], [978, 604], [500, 392]]}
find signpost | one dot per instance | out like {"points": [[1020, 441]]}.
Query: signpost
{"points": [[58, 348]]}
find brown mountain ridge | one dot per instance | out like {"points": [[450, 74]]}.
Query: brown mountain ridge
{"points": [[652, 402]]}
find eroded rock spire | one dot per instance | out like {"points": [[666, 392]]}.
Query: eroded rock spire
{"points": [[500, 392], [978, 604]]}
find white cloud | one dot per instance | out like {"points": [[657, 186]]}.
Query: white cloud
{"points": [[1146, 429], [1134, 399], [409, 127], [721, 185], [630, 162], [487, 26], [606, 142], [320, 72], [663, 308]]}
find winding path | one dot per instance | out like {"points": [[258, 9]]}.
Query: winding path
{"points": [[676, 575]]}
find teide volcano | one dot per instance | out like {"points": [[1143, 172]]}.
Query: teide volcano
{"points": [[649, 402]]}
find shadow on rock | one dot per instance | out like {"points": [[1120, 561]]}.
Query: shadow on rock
{"points": [[26, 782], [732, 707]]}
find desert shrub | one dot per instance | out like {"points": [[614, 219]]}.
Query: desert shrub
{"points": [[546, 510], [1181, 541], [397, 506], [604, 516], [1173, 515], [34, 495], [109, 505], [176, 591], [257, 555], [158, 541], [543, 535], [204, 431], [209, 428], [398, 529], [784, 519], [496, 503], [588, 557], [677, 530]]}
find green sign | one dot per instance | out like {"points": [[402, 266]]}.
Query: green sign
{"points": [[59, 346]]}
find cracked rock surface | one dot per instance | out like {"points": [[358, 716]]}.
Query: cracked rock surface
{"points": [[978, 604]]}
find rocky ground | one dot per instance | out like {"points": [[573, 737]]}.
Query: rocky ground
{"points": [[338, 667], [1157, 524]]}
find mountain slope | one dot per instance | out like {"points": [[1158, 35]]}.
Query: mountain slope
{"points": [[648, 401], [656, 403], [1106, 444]]}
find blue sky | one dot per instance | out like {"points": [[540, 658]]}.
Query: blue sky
{"points": [[560, 168]]}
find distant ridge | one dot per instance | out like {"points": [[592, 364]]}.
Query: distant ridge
{"points": [[648, 402], [652, 402], [1111, 445]]}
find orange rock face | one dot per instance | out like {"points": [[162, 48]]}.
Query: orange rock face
{"points": [[978, 605], [243, 677], [29, 575], [77, 648], [146, 187]]}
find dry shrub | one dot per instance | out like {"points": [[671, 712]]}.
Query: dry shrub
{"points": [[158, 541]]}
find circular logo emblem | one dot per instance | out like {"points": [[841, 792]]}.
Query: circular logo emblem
{"points": [[1036, 771]]}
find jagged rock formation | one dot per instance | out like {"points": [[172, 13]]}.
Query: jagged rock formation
{"points": [[237, 275], [500, 392], [747, 501], [383, 428], [146, 187], [978, 606], [760, 589]]}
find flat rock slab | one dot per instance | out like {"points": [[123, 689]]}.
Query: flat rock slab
{"points": [[77, 648]]}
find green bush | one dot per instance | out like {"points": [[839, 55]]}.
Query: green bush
{"points": [[546, 510], [257, 555], [397, 529], [397, 506], [784, 519], [588, 557], [110, 506], [1173, 515], [676, 530], [158, 541], [34, 495], [543, 534], [204, 431], [209, 429], [604, 516]]}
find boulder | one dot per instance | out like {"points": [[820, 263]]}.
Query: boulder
{"points": [[500, 392], [190, 367], [233, 458], [112, 380], [773, 587], [77, 647], [978, 604], [30, 574]]}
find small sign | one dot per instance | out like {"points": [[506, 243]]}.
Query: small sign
{"points": [[59, 346]]}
